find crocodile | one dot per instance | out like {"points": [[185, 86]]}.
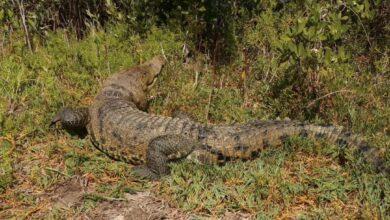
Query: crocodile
{"points": [[119, 127]]}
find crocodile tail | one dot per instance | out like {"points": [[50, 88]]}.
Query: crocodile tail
{"points": [[226, 143], [280, 130], [345, 139]]}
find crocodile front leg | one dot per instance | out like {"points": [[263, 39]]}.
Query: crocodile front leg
{"points": [[163, 150]]}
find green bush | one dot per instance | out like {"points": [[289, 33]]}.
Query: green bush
{"points": [[310, 31]]}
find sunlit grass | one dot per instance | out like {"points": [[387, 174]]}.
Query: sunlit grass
{"points": [[301, 179]]}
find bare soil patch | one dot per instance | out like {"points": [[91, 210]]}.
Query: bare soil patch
{"points": [[138, 206]]}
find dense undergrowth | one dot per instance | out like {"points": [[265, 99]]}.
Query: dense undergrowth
{"points": [[308, 66]]}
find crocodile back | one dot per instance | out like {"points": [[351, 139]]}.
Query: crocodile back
{"points": [[123, 132]]}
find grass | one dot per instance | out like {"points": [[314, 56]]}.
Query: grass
{"points": [[301, 179]]}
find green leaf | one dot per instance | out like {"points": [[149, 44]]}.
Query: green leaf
{"points": [[202, 9], [359, 8], [10, 13], [285, 39], [310, 33], [301, 50], [301, 25], [293, 48], [120, 16], [344, 18], [328, 56], [341, 54]]}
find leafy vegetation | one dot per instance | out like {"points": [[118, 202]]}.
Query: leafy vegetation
{"points": [[319, 61]]}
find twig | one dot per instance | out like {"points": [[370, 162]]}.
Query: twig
{"points": [[2, 44], [196, 79], [208, 105], [163, 53], [32, 211], [93, 196], [57, 171], [23, 16], [12, 142], [361, 23], [327, 95], [108, 60], [113, 199]]}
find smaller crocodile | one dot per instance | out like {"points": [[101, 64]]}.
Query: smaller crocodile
{"points": [[119, 127]]}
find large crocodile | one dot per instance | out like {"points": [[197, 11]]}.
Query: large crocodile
{"points": [[118, 127]]}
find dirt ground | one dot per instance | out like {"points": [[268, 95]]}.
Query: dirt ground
{"points": [[138, 206]]}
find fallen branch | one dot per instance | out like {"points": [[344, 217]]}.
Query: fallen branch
{"points": [[23, 16]]}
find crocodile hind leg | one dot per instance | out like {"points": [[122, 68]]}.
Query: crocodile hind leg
{"points": [[163, 150]]}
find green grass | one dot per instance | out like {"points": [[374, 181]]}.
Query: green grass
{"points": [[301, 179]]}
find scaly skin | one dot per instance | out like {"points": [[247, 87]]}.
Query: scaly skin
{"points": [[119, 128]]}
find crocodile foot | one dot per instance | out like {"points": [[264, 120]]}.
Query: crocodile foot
{"points": [[143, 172]]}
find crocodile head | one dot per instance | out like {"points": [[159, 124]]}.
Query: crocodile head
{"points": [[72, 120]]}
